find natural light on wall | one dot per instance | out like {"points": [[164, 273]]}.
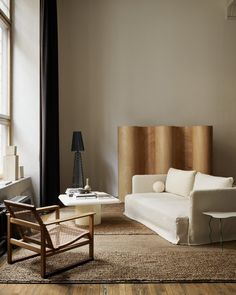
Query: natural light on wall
{"points": [[5, 25]]}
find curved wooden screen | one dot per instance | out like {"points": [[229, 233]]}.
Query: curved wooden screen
{"points": [[153, 150]]}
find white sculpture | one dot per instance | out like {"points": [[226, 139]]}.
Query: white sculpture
{"points": [[11, 164]]}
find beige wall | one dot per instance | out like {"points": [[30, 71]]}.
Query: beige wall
{"points": [[26, 86], [144, 62]]}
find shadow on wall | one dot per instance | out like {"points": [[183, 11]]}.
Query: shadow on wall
{"points": [[107, 182], [224, 158], [97, 166]]}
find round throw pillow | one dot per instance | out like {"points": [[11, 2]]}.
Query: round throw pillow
{"points": [[158, 186]]}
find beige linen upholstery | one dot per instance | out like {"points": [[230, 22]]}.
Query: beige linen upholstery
{"points": [[144, 183], [158, 187], [164, 213], [177, 219], [180, 182], [205, 181]]}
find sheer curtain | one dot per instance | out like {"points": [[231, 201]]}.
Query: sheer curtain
{"points": [[49, 104]]}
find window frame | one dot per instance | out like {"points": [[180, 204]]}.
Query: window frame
{"points": [[7, 119]]}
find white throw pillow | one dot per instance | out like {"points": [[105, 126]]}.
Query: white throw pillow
{"points": [[205, 181], [158, 186], [180, 182]]}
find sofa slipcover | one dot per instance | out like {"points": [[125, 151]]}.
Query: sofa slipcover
{"points": [[164, 213], [180, 219]]}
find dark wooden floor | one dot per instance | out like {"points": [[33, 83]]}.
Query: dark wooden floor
{"points": [[118, 289]]}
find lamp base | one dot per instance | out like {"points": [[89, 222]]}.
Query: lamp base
{"points": [[78, 175]]}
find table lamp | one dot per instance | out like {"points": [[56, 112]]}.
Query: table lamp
{"points": [[77, 146]]}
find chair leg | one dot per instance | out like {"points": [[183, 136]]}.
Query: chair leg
{"points": [[91, 249], [91, 236], [43, 266], [9, 245], [43, 255]]}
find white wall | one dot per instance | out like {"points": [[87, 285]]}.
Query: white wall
{"points": [[142, 62], [26, 86]]}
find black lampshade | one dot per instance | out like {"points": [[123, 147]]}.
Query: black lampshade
{"points": [[77, 141]]}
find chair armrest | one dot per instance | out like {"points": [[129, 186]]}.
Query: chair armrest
{"points": [[69, 218], [144, 183], [48, 208], [24, 223]]}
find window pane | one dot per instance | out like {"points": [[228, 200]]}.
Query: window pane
{"points": [[3, 144], [5, 7], [4, 70]]}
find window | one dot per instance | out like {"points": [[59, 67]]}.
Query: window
{"points": [[5, 120], [5, 7]]}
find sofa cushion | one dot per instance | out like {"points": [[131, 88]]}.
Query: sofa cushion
{"points": [[165, 213], [180, 182], [158, 186], [205, 181]]}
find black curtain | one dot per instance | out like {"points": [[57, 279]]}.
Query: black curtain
{"points": [[49, 104]]}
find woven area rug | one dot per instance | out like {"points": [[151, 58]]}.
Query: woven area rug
{"points": [[114, 222], [130, 256]]}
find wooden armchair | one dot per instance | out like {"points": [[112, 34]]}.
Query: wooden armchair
{"points": [[46, 238]]}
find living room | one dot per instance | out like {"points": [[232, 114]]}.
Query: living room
{"points": [[122, 63]]}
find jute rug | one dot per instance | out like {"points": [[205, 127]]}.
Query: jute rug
{"points": [[125, 255]]}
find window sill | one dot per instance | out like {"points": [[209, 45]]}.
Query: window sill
{"points": [[7, 183], [20, 187]]}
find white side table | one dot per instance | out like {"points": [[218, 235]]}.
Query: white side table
{"points": [[86, 204], [220, 216]]}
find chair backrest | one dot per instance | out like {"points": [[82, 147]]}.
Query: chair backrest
{"points": [[26, 212]]}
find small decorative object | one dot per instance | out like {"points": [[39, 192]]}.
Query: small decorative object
{"points": [[77, 147], [21, 172], [158, 186], [87, 186], [78, 190], [11, 163]]}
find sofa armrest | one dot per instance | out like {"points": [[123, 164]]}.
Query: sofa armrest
{"points": [[213, 200], [143, 183], [208, 200]]}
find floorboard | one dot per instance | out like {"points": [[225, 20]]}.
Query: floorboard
{"points": [[119, 289]]}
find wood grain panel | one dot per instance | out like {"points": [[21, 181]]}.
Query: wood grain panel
{"points": [[150, 147], [164, 148], [131, 155], [154, 149], [202, 147]]}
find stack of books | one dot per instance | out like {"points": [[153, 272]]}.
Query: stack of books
{"points": [[87, 195], [76, 192]]}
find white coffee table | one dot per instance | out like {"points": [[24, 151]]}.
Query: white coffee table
{"points": [[86, 204]]}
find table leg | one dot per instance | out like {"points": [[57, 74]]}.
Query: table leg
{"points": [[85, 209]]}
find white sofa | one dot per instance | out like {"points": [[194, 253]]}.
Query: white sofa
{"points": [[180, 219]]}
